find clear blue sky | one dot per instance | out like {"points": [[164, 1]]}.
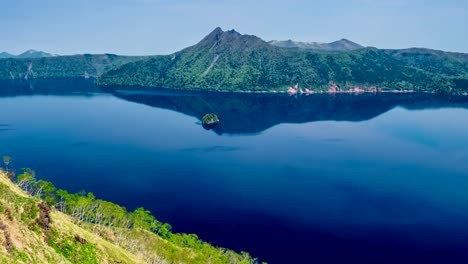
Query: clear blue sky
{"points": [[141, 27]]}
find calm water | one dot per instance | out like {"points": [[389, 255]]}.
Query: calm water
{"points": [[318, 179]]}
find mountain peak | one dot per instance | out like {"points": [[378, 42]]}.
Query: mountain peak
{"points": [[216, 31], [219, 32], [219, 39], [31, 53], [344, 44], [232, 31]]}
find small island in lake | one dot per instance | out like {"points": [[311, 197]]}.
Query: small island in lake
{"points": [[209, 121]]}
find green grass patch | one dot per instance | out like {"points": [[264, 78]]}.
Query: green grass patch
{"points": [[74, 251]]}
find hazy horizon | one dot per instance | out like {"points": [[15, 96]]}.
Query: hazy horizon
{"points": [[151, 27]]}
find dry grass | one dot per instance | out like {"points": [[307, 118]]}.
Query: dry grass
{"points": [[12, 186], [109, 253], [24, 241]]}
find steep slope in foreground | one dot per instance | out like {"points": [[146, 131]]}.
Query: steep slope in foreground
{"points": [[227, 60], [24, 238], [32, 232]]}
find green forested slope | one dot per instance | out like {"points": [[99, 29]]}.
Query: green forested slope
{"points": [[61, 66], [227, 60], [231, 61]]}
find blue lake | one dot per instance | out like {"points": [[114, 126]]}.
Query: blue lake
{"points": [[316, 179]]}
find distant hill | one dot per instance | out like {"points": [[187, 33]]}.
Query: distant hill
{"points": [[339, 45], [428, 53], [434, 61], [86, 65], [27, 55], [4, 55], [34, 54], [228, 60]]}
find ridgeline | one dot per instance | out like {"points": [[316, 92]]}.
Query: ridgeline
{"points": [[230, 61]]}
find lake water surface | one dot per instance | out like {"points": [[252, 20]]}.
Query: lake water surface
{"points": [[317, 179]]}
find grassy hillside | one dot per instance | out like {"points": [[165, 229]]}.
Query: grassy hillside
{"points": [[29, 238], [227, 60], [32, 231]]}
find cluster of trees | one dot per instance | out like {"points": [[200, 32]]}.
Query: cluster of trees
{"points": [[84, 207]]}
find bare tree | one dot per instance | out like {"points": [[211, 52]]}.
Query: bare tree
{"points": [[6, 161]]}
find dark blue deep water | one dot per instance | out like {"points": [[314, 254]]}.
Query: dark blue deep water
{"points": [[317, 179]]}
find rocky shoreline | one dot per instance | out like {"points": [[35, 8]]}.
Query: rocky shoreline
{"points": [[336, 89]]}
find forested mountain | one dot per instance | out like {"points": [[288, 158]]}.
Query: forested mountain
{"points": [[433, 61], [228, 60], [61, 66]]}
